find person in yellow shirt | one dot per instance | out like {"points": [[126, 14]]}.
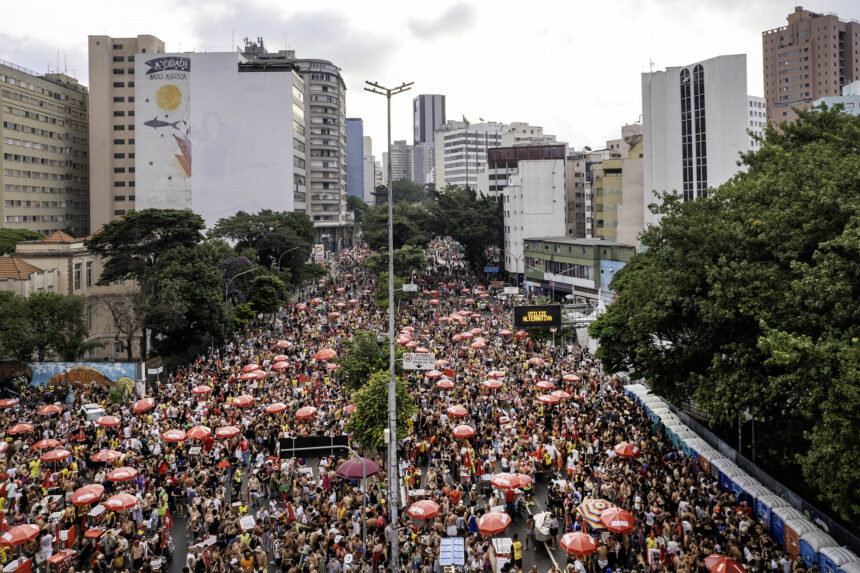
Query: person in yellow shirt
{"points": [[34, 469], [517, 552]]}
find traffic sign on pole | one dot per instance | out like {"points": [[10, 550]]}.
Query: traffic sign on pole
{"points": [[416, 361]]}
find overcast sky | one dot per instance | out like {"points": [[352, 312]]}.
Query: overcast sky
{"points": [[571, 66]]}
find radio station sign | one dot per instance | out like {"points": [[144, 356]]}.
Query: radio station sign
{"points": [[537, 316]]}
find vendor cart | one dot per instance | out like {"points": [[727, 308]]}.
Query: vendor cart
{"points": [[62, 561], [500, 553], [542, 534]]}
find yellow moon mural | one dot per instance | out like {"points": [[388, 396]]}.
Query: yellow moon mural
{"points": [[168, 97]]}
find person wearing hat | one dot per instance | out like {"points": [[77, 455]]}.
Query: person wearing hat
{"points": [[101, 565]]}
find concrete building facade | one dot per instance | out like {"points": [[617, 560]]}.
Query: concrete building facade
{"points": [[44, 166], [849, 100], [401, 162], [618, 189], [813, 56], [112, 125], [460, 151], [695, 121], [428, 114], [355, 157], [369, 170]]}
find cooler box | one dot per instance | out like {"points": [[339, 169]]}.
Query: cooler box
{"points": [[813, 542], [20, 565], [831, 559], [62, 561], [95, 516], [778, 517], [500, 553], [850, 567], [764, 504], [794, 530]]}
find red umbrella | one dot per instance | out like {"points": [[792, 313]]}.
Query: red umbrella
{"points": [[55, 455], [457, 412], [560, 394], [578, 543], [478, 344], [545, 385], [492, 384], [45, 444], [325, 354], [247, 376], [356, 468], [275, 408], [444, 384], [510, 481], [626, 450], [493, 522], [331, 366], [124, 473], [87, 494], [570, 378], [105, 456], [281, 366], [548, 399], [108, 421], [174, 436], [349, 409], [223, 464], [250, 367], [617, 520], [522, 334], [199, 433], [463, 431], [227, 432], [718, 564], [301, 306], [285, 343], [423, 509], [19, 535], [143, 405], [8, 402], [120, 502], [496, 374], [433, 302], [280, 357], [201, 390], [505, 332], [50, 409], [19, 429], [536, 361], [243, 401], [441, 363], [340, 289], [411, 344], [434, 374], [4, 445], [306, 412], [334, 315]]}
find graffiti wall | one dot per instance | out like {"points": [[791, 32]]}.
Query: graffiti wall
{"points": [[107, 373]]}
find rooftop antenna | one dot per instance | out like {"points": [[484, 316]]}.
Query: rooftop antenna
{"points": [[65, 66], [651, 65]]}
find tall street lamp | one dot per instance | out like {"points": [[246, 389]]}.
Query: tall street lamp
{"points": [[284, 253], [393, 472], [226, 296]]}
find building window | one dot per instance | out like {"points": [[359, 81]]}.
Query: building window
{"points": [[89, 274], [77, 276], [686, 135], [700, 131]]}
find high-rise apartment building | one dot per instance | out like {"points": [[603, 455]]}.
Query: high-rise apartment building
{"points": [[695, 121], [325, 118], [428, 114], [401, 161], [460, 151], [355, 157], [618, 189], [112, 135], [369, 170], [813, 56], [521, 133], [44, 175]]}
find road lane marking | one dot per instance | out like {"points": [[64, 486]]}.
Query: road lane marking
{"points": [[551, 556]]}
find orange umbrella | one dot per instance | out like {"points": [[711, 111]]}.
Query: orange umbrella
{"points": [[55, 455], [108, 421], [275, 408], [463, 431], [548, 399], [120, 502], [722, 564], [626, 450], [45, 444], [50, 409], [325, 354], [578, 543], [306, 412], [87, 494], [227, 432], [243, 401], [143, 405], [444, 384], [19, 535], [124, 473], [493, 522], [201, 390], [106, 456], [199, 433], [174, 436], [20, 429], [423, 509], [8, 402], [457, 412], [250, 367]]}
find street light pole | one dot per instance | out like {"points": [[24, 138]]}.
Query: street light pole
{"points": [[226, 295], [284, 253], [393, 471]]}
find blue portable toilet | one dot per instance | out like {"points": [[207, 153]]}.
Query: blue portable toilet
{"points": [[850, 567], [831, 559], [658, 411], [740, 487], [778, 517], [726, 471], [812, 543], [764, 505], [749, 497], [696, 445]]}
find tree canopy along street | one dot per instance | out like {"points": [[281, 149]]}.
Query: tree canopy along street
{"points": [[747, 301]]}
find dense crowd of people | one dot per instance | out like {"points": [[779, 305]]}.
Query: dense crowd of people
{"points": [[204, 454]]}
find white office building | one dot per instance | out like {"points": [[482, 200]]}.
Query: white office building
{"points": [[695, 121], [534, 203], [369, 171], [849, 100], [460, 151]]}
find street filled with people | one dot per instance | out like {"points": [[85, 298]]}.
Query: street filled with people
{"points": [[516, 437]]}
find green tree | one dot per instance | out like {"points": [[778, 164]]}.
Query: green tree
{"points": [[363, 357], [11, 237], [133, 244], [371, 403], [381, 294], [407, 260], [475, 221], [16, 332], [410, 226], [57, 325], [357, 206], [267, 294], [747, 301]]}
